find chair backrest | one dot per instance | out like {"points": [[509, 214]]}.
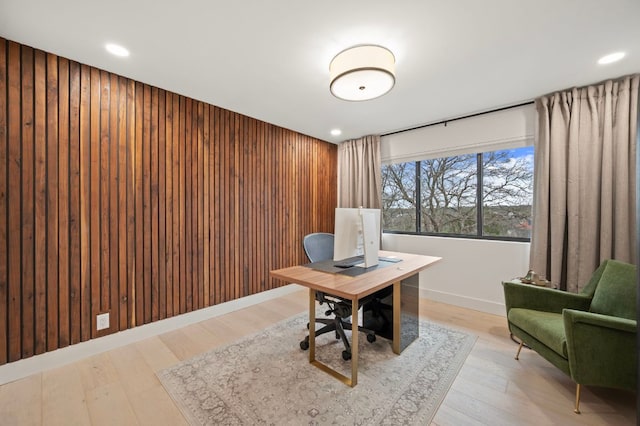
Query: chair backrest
{"points": [[615, 293], [318, 246], [590, 288]]}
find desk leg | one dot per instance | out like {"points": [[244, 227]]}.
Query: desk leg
{"points": [[400, 323], [312, 325], [397, 310], [405, 312], [354, 343]]}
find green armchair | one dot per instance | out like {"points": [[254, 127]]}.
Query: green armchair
{"points": [[591, 336]]}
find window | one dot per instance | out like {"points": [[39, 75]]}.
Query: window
{"points": [[399, 197], [485, 195]]}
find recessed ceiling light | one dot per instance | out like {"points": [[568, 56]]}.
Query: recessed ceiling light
{"points": [[117, 50], [610, 58], [336, 132]]}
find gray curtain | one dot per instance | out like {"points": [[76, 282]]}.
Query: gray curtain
{"points": [[359, 173], [584, 193]]}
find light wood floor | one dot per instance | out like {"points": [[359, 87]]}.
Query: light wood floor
{"points": [[119, 387]]}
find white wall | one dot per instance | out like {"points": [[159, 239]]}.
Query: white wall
{"points": [[470, 272]]}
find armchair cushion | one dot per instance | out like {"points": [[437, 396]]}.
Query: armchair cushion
{"points": [[548, 327], [612, 296]]}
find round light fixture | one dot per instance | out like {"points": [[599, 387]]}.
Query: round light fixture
{"points": [[336, 132], [611, 58], [117, 50], [361, 73]]}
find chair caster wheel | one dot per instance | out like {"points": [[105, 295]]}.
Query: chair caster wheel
{"points": [[371, 338], [346, 355], [304, 345]]}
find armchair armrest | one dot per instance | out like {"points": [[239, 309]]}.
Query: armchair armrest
{"points": [[527, 296], [601, 349], [577, 317]]}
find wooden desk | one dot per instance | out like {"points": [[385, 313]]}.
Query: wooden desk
{"points": [[402, 275]]}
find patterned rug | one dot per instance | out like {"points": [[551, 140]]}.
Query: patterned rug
{"points": [[266, 379]]}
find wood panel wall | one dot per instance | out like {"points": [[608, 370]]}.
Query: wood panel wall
{"points": [[120, 197]]}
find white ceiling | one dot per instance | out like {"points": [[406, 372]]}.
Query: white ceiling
{"points": [[270, 59]]}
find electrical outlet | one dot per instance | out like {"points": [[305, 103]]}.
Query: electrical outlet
{"points": [[102, 321]]}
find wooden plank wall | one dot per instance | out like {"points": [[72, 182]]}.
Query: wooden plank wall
{"points": [[120, 197]]}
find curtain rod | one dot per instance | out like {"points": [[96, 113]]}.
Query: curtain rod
{"points": [[459, 118]]}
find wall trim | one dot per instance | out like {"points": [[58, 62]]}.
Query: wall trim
{"points": [[36, 364]]}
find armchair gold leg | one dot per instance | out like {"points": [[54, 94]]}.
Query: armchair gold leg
{"points": [[577, 409], [519, 349]]}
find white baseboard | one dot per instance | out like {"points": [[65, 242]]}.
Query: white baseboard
{"points": [[48, 360], [465, 302]]}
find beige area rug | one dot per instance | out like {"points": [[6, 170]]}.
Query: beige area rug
{"points": [[266, 379]]}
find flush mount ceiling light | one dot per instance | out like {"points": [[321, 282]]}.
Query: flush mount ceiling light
{"points": [[117, 50], [361, 73]]}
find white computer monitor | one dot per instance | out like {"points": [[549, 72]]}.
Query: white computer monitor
{"points": [[357, 233]]}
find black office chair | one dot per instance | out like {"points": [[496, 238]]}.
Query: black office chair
{"points": [[319, 247]]}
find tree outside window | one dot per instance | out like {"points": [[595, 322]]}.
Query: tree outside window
{"points": [[507, 192], [448, 195], [399, 197]]}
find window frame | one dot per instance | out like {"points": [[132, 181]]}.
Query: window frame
{"points": [[479, 209]]}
